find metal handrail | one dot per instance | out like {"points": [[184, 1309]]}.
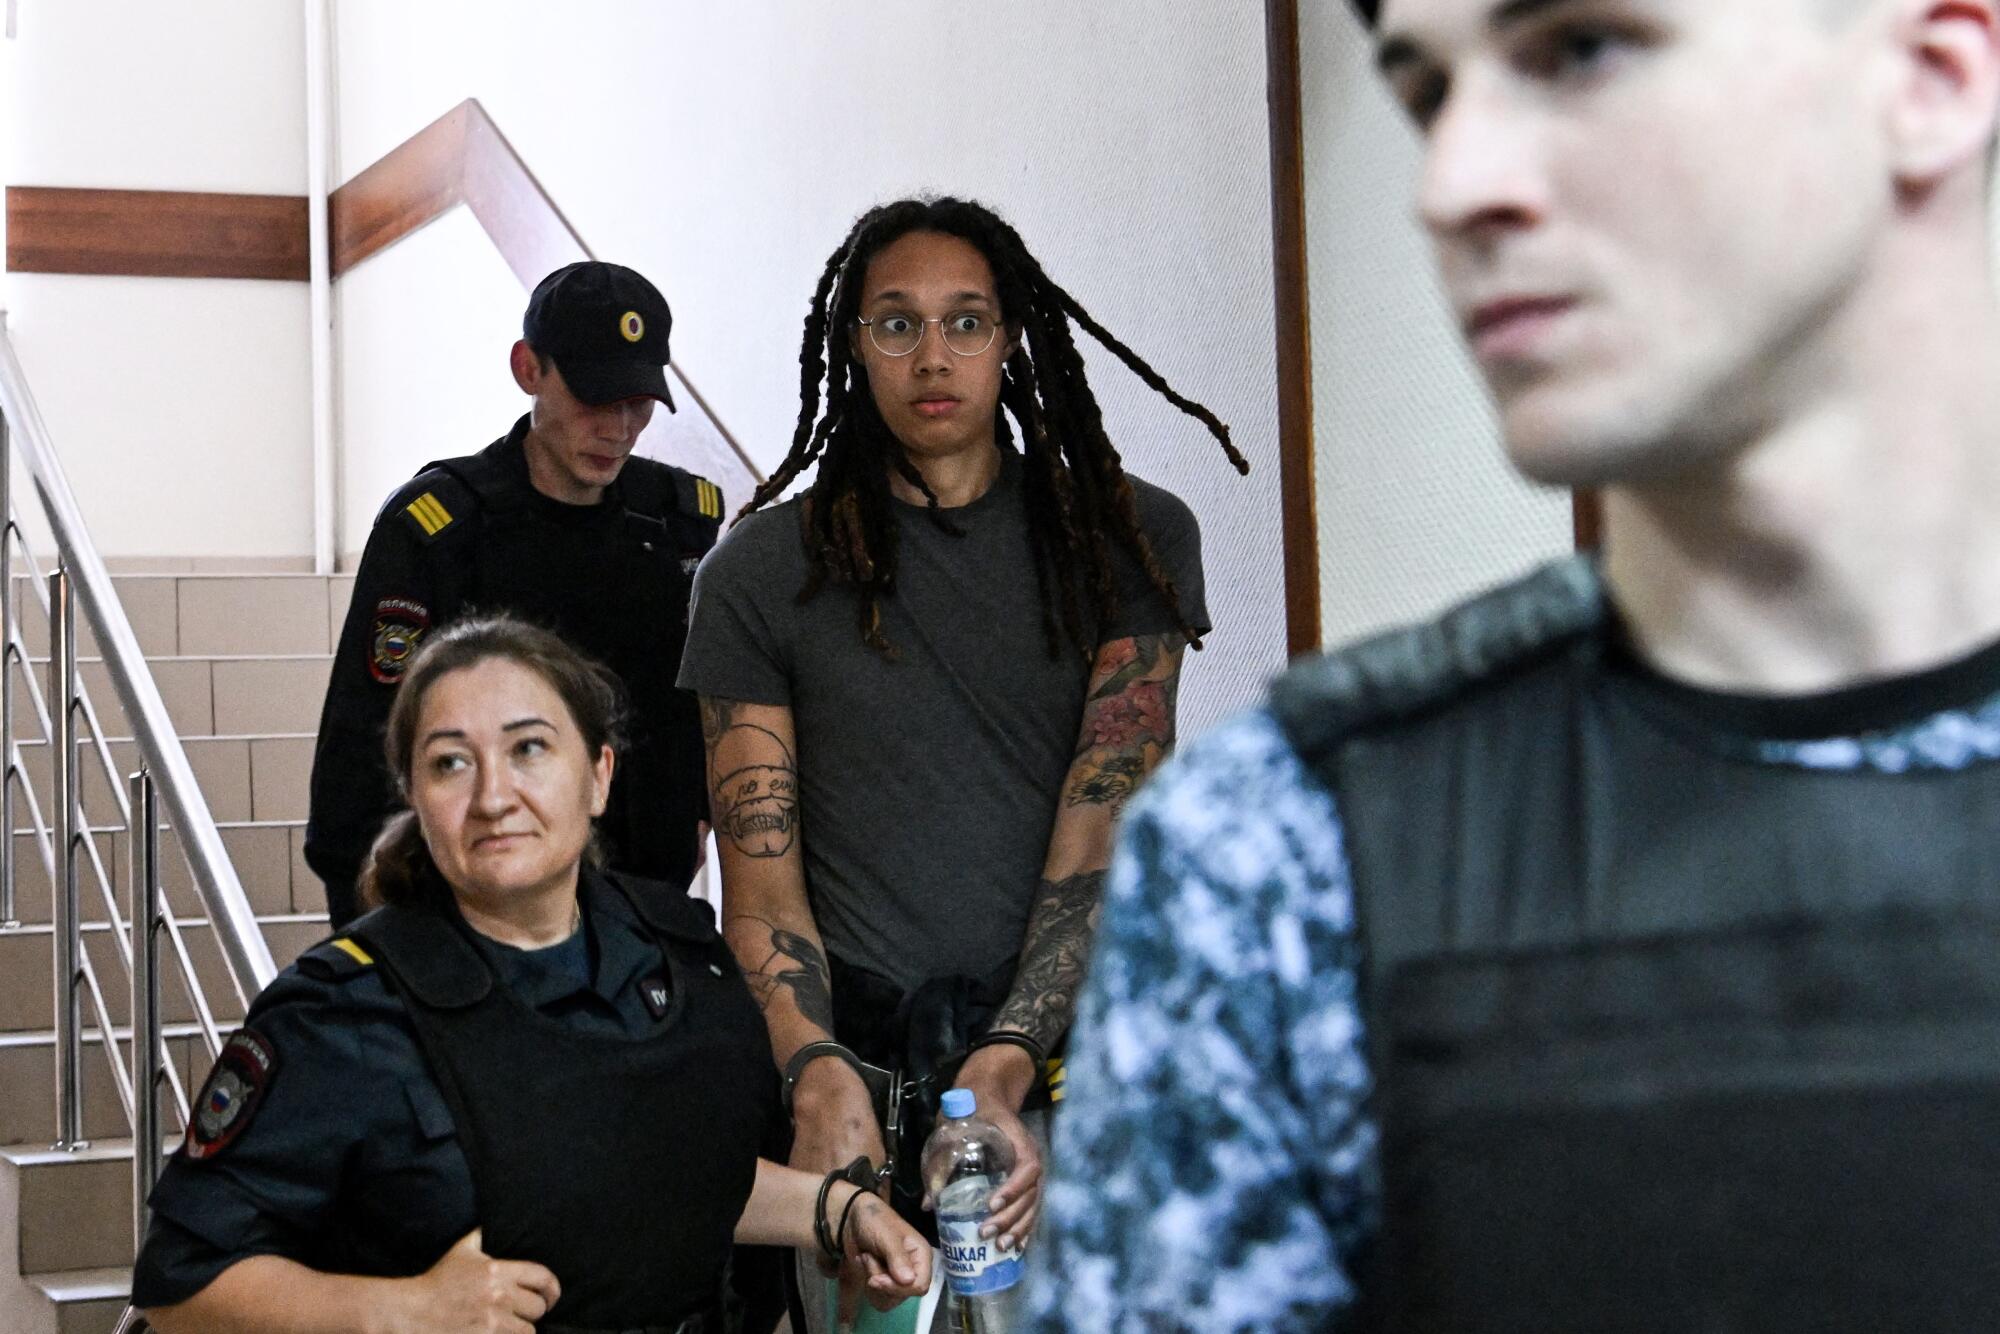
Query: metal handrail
{"points": [[16, 651], [148, 1055], [226, 906], [10, 772], [168, 921], [113, 779], [71, 966], [66, 840]]}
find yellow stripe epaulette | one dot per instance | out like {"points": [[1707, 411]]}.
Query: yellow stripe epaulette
{"points": [[352, 950], [430, 515], [336, 960]]}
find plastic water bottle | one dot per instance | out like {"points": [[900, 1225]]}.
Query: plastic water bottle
{"points": [[965, 1161]]}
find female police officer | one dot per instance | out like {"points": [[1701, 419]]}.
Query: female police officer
{"points": [[520, 1092]]}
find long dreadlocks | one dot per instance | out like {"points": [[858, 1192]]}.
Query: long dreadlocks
{"points": [[1078, 497]]}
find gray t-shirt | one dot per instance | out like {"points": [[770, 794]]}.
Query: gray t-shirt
{"points": [[928, 783]]}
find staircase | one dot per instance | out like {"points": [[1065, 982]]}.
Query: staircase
{"points": [[241, 662]]}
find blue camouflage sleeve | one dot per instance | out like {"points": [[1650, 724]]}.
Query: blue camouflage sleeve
{"points": [[1214, 1162]]}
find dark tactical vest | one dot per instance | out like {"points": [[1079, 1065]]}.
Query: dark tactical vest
{"points": [[622, 1165], [1665, 1038], [631, 614]]}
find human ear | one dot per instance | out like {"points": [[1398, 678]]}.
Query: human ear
{"points": [[600, 779], [527, 367], [1944, 111]]}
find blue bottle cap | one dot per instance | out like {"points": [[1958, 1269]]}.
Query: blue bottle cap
{"points": [[958, 1102]]}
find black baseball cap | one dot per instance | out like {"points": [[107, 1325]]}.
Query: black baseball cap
{"points": [[606, 329]]}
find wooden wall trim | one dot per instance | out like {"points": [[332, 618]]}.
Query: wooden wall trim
{"points": [[1299, 498], [156, 233], [417, 182], [526, 226], [459, 158]]}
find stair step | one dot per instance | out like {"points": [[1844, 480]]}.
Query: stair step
{"points": [[269, 857], [241, 662], [27, 970], [215, 613], [151, 604], [212, 695], [75, 1206], [86, 1284], [86, 1301], [264, 776], [27, 1083]]}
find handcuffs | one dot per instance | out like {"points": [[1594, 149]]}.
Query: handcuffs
{"points": [[887, 1089]]}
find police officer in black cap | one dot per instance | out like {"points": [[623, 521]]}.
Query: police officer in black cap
{"points": [[558, 524]]}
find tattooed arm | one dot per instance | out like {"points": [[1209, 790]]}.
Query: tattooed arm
{"points": [[1128, 727], [753, 783]]}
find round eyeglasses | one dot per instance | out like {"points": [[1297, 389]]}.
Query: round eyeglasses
{"points": [[967, 333]]}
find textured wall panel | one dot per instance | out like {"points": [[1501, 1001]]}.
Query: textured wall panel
{"points": [[1417, 506]]}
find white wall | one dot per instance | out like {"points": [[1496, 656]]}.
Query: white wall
{"points": [[725, 149], [7, 134], [180, 407], [422, 331], [1417, 506], [178, 410]]}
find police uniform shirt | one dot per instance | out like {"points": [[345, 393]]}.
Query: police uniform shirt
{"points": [[350, 1162], [613, 579]]}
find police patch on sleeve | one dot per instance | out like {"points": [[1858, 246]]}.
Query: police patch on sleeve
{"points": [[399, 626], [230, 1097]]}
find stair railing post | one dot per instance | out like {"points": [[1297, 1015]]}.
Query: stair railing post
{"points": [[68, 906], [9, 775], [148, 1058]]}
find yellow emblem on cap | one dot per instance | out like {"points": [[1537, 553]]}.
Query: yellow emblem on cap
{"points": [[631, 326]]}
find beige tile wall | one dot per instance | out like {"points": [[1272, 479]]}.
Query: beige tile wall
{"points": [[253, 616], [255, 696], [280, 770]]}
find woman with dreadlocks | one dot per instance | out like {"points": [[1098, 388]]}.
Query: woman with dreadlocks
{"points": [[928, 684]]}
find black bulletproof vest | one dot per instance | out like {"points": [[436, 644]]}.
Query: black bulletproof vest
{"points": [[621, 1165], [1664, 1038], [612, 583]]}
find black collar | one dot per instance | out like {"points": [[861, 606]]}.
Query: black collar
{"points": [[432, 950]]}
